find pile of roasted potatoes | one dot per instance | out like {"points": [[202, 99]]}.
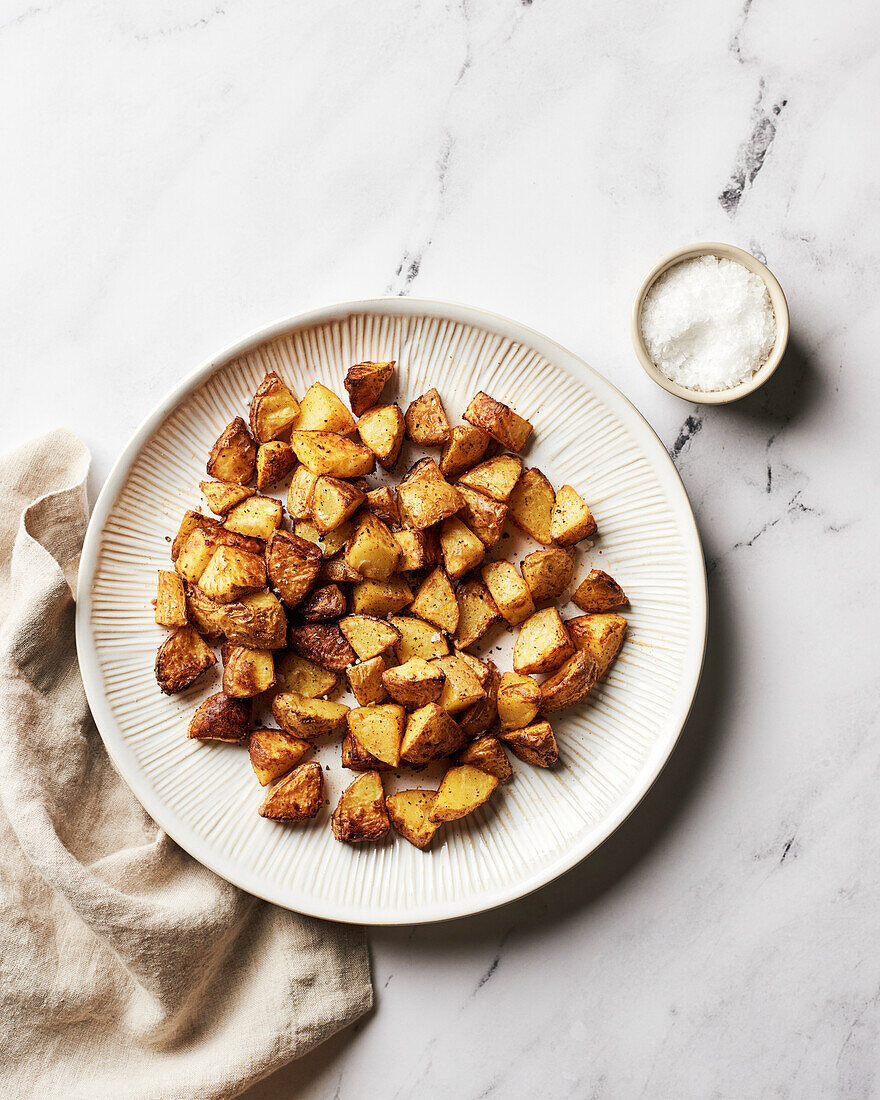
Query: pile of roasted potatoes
{"points": [[388, 585]]}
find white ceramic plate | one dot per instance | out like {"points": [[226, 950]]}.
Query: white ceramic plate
{"points": [[612, 745]]}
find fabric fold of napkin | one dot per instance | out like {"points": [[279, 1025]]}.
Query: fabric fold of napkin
{"points": [[127, 969]]}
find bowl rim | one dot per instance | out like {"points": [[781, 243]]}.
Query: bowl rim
{"points": [[777, 299]]}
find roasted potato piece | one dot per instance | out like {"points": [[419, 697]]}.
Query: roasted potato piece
{"points": [[408, 813], [191, 521], [298, 797], [274, 752], [489, 756], [495, 478], [464, 788], [365, 382], [338, 571], [231, 573], [509, 591], [531, 505], [323, 643], [383, 503], [381, 597], [430, 733], [365, 681], [234, 456], [181, 660], [482, 715], [417, 639], [333, 502], [275, 460], [378, 729], [330, 453], [322, 411], [571, 520], [462, 688], [292, 565], [256, 620], [299, 495], [519, 699], [301, 676], [356, 758], [369, 637], [220, 718], [464, 448], [535, 744], [543, 643], [196, 552], [548, 573], [482, 671], [222, 496], [256, 517], [426, 420], [170, 600], [360, 814], [483, 515], [460, 547], [304, 717], [248, 672], [599, 635], [372, 550], [418, 549], [435, 601], [381, 429], [598, 592], [415, 683], [570, 684], [498, 420], [326, 602], [476, 613], [274, 409], [426, 497], [329, 543]]}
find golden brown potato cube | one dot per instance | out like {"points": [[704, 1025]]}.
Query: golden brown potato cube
{"points": [[435, 601], [383, 503], [499, 421], [378, 730], [256, 620], [234, 456], [495, 478], [598, 592], [381, 597], [535, 744], [548, 572], [372, 550], [220, 718], [426, 420], [356, 758], [292, 564], [232, 573], [248, 672], [275, 460], [329, 543], [299, 495], [542, 644], [464, 448], [170, 600], [360, 814], [368, 636], [333, 502], [365, 382], [274, 409], [483, 515], [509, 591], [257, 517], [476, 613], [274, 752], [222, 496], [211, 618], [570, 684], [181, 660], [301, 676], [489, 756], [464, 788], [427, 497], [365, 681], [460, 547], [326, 602], [381, 429], [323, 643], [571, 520], [298, 797], [191, 521], [430, 733], [462, 688], [415, 683], [418, 549], [599, 635], [531, 505], [195, 554], [519, 699], [482, 715], [322, 411], [408, 813], [482, 671], [330, 453], [304, 717], [416, 638]]}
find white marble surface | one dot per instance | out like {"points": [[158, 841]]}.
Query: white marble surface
{"points": [[174, 175]]}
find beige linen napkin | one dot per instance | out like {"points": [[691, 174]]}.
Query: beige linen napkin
{"points": [[126, 968]]}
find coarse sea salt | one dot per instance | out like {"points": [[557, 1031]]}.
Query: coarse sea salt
{"points": [[708, 323]]}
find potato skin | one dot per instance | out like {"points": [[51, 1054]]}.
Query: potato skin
{"points": [[430, 733], [414, 683], [220, 718], [543, 643], [570, 684], [489, 756], [495, 478], [464, 448], [548, 572], [234, 456], [364, 383], [408, 813], [181, 660], [274, 752], [360, 815], [306, 718], [426, 421], [331, 453], [247, 672], [356, 758], [275, 460], [519, 699], [498, 420], [323, 643], [298, 797], [599, 592], [535, 744], [327, 602], [273, 409], [293, 565]]}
